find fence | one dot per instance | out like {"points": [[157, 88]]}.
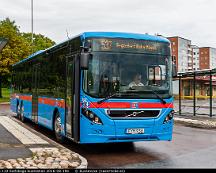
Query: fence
{"points": [[195, 93]]}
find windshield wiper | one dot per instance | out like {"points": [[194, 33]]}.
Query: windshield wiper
{"points": [[140, 91], [107, 97], [161, 99]]}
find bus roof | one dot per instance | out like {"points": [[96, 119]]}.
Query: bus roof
{"points": [[125, 35], [29, 57], [85, 35]]}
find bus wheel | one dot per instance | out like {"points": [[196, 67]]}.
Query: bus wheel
{"points": [[22, 118], [57, 128]]}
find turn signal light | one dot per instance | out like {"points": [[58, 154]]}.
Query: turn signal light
{"points": [[91, 116]]}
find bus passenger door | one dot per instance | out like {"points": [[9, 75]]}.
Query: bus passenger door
{"points": [[35, 80], [69, 96]]}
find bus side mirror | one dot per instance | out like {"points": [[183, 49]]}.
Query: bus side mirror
{"points": [[84, 60]]}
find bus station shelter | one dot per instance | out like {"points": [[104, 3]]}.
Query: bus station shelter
{"points": [[195, 86]]}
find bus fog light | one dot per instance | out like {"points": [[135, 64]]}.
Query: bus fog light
{"points": [[91, 115]]}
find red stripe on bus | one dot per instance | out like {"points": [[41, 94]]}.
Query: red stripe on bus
{"points": [[47, 101], [129, 105], [155, 105], [52, 102], [110, 105], [27, 98]]}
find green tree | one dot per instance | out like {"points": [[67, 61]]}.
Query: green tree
{"points": [[19, 47], [16, 48], [40, 42]]}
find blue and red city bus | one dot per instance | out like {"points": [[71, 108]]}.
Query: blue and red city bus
{"points": [[81, 88]]}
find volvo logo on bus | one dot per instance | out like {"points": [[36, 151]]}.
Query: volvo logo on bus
{"points": [[134, 114]]}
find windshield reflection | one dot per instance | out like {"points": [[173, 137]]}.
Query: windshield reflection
{"points": [[127, 75]]}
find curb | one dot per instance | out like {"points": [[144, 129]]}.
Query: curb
{"points": [[84, 162], [5, 103], [196, 123]]}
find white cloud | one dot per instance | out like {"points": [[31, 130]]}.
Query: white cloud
{"points": [[193, 19]]}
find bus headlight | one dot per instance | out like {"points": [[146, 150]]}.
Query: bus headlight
{"points": [[91, 116], [169, 117]]}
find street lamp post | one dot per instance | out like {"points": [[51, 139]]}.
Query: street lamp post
{"points": [[32, 41]]}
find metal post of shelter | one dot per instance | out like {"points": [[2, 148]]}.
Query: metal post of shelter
{"points": [[194, 94], [210, 87], [179, 95]]}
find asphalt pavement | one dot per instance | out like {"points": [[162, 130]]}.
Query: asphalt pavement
{"points": [[17, 142], [24, 148], [11, 147]]}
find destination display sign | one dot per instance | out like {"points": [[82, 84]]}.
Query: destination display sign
{"points": [[130, 45]]}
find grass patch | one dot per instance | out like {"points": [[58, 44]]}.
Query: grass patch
{"points": [[5, 95]]}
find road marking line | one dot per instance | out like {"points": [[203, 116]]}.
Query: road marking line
{"points": [[21, 133]]}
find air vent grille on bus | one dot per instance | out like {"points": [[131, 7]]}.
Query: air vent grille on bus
{"points": [[133, 113]]}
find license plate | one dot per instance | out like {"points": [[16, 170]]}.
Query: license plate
{"points": [[135, 131]]}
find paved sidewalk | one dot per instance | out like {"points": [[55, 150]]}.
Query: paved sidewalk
{"points": [[196, 121], [11, 147], [23, 149]]}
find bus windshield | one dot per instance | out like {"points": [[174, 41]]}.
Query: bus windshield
{"points": [[130, 75]]}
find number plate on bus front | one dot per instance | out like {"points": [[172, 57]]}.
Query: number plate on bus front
{"points": [[135, 131]]}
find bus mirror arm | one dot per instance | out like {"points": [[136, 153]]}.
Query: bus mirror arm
{"points": [[84, 60]]}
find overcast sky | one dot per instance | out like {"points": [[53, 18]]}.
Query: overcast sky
{"points": [[191, 19]]}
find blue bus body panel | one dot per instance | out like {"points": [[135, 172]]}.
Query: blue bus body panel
{"points": [[114, 130], [46, 114], [45, 111]]}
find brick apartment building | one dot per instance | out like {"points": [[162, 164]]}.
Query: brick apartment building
{"points": [[188, 57], [207, 58], [182, 53]]}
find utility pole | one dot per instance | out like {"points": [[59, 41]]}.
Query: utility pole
{"points": [[32, 39]]}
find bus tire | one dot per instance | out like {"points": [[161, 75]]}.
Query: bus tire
{"points": [[57, 128]]}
